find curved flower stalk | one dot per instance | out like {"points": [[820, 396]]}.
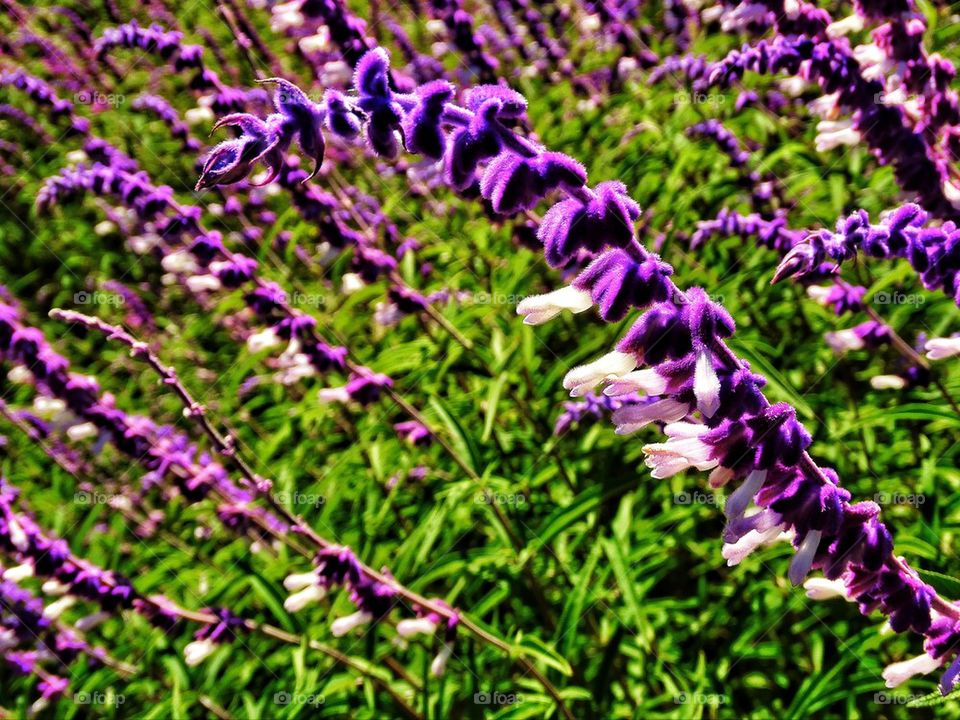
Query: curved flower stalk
{"points": [[168, 115], [771, 233], [25, 120], [464, 38], [44, 96], [717, 416], [919, 169], [208, 265], [901, 233], [375, 594], [32, 636], [168, 45], [47, 557]]}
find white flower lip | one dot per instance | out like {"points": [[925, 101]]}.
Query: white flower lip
{"points": [[611, 366], [538, 309]]}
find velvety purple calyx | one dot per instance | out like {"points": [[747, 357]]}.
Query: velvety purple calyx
{"points": [[512, 183], [232, 160], [421, 126], [607, 219], [618, 282], [302, 117], [468, 146], [384, 114], [660, 334]]}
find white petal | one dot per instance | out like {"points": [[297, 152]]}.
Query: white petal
{"points": [[887, 382], [742, 497], [610, 366], [82, 431], [734, 553], [899, 672], [408, 628], [299, 600], [341, 626], [439, 663], [647, 381], [537, 309], [803, 560], [18, 573], [940, 348], [198, 651], [706, 385], [299, 581], [823, 589], [630, 418]]}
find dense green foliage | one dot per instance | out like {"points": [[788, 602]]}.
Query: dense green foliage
{"points": [[618, 590]]}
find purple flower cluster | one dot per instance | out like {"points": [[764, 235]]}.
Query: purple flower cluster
{"points": [[717, 416], [933, 251]]}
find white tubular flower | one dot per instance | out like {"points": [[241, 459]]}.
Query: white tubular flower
{"points": [[409, 628], [611, 366], [54, 587], [706, 385], [834, 133], [203, 283], [843, 340], [8, 640], [819, 293], [803, 560], [198, 651], [887, 382], [299, 581], [647, 381], [19, 375], [940, 348], [55, 609], [854, 23], [350, 283], [823, 589], [899, 672], [741, 498], [299, 600], [341, 626], [630, 418], [537, 309], [263, 340], [82, 431], [682, 451], [18, 538], [18, 573], [91, 621], [320, 42], [952, 193], [735, 553], [826, 107], [439, 663], [333, 395], [179, 262]]}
